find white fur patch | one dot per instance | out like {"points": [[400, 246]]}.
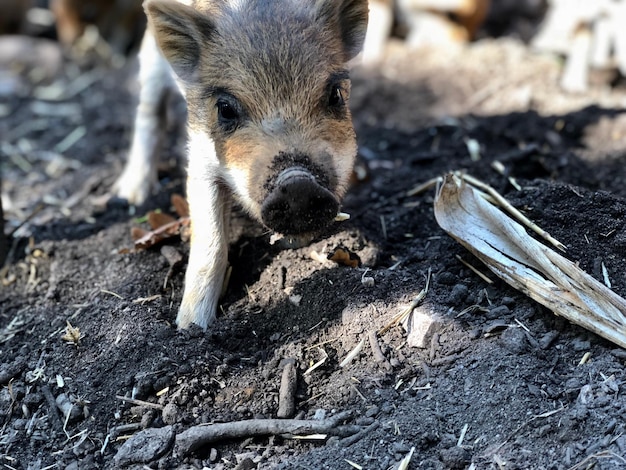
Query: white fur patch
{"points": [[237, 179], [201, 153], [238, 4]]}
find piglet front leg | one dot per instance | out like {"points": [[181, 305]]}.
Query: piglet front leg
{"points": [[209, 208], [139, 178]]}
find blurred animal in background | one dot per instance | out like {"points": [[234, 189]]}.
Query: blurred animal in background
{"points": [[120, 23], [117, 23], [591, 34], [433, 22]]}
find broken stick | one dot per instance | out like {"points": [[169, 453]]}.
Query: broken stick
{"points": [[287, 393], [197, 436]]}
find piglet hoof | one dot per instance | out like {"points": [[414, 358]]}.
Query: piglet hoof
{"points": [[200, 302], [202, 315], [135, 187]]}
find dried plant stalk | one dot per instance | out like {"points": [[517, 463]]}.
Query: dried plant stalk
{"points": [[526, 264]]}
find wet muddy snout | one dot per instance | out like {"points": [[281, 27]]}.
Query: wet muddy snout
{"points": [[298, 204]]}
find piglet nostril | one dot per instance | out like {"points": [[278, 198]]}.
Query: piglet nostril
{"points": [[291, 174], [298, 204]]}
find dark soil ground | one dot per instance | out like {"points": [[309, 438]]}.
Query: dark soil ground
{"points": [[499, 385]]}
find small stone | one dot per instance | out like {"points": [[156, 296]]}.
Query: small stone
{"points": [[580, 345], [20, 424], [498, 312], [400, 448], [447, 278], [364, 421], [546, 340], [67, 407], [573, 384], [514, 340], [455, 457], [170, 413], [495, 327], [145, 446], [421, 326], [458, 294], [147, 418], [586, 395], [474, 333], [372, 411], [33, 399], [245, 456], [610, 385], [171, 254], [246, 464]]}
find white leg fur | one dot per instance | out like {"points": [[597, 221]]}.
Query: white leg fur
{"points": [[139, 177], [209, 207]]}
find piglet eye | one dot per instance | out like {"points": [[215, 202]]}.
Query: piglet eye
{"points": [[226, 112], [335, 99]]}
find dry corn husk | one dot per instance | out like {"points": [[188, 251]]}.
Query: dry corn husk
{"points": [[526, 264]]}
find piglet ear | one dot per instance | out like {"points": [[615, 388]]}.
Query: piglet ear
{"points": [[180, 32], [350, 17]]}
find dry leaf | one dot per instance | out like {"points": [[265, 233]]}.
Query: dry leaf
{"points": [[526, 264], [136, 233], [71, 334], [152, 238], [180, 204], [341, 255], [159, 219]]}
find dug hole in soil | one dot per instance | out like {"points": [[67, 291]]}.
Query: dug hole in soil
{"points": [[499, 384]]}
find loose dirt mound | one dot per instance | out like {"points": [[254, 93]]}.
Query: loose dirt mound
{"points": [[499, 385]]}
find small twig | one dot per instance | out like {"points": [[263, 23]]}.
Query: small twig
{"points": [[605, 454], [400, 317], [474, 270], [352, 354], [52, 408], [123, 429], [348, 441], [201, 435], [134, 401], [38, 208], [404, 463], [318, 363], [104, 291], [423, 187], [434, 342], [446, 360], [523, 425], [379, 357]]}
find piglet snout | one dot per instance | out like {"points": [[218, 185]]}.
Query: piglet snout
{"points": [[298, 204]]}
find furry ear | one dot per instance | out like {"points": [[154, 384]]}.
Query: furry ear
{"points": [[350, 16], [179, 31]]}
